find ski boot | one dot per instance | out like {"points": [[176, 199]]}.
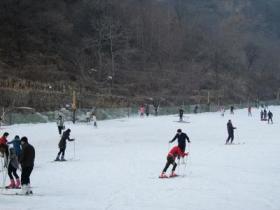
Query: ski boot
{"points": [[11, 185], [163, 175], [173, 174], [62, 159], [57, 158], [17, 185]]}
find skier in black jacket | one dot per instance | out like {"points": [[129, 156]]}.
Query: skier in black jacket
{"points": [[181, 139], [62, 144], [181, 113], [270, 115], [27, 158], [230, 130]]}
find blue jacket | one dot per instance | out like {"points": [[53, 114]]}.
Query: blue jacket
{"points": [[16, 145]]}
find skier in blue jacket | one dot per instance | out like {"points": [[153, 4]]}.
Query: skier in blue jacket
{"points": [[16, 145]]}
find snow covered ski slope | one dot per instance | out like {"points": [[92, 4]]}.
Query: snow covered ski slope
{"points": [[116, 166]]}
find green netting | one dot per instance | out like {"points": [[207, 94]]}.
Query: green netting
{"points": [[114, 113]]}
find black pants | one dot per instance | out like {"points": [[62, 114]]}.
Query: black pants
{"points": [[12, 171], [230, 137], [25, 175], [269, 119], [170, 160], [60, 128], [61, 151], [182, 147], [181, 117]]}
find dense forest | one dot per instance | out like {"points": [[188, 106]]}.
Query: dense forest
{"points": [[171, 50]]}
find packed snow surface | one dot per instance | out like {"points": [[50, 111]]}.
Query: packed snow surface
{"points": [[116, 166]]}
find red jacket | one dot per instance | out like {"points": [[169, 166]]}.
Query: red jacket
{"points": [[176, 151], [3, 140]]}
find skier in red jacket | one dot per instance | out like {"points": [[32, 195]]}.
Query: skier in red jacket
{"points": [[3, 139], [171, 157]]}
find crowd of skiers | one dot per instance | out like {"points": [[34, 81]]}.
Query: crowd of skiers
{"points": [[144, 109], [18, 154]]}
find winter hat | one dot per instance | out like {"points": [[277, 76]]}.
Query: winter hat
{"points": [[6, 134], [179, 130], [68, 130], [24, 139], [17, 137]]}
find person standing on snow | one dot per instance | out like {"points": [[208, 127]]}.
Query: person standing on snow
{"points": [[16, 145], [230, 130], [270, 115], [264, 114], [171, 157], [62, 144], [181, 113], [182, 137], [142, 110], [250, 111], [147, 110], [3, 139], [4, 148], [12, 169], [60, 124], [27, 158], [231, 109], [94, 120]]}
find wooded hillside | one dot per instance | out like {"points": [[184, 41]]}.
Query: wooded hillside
{"points": [[177, 50]]}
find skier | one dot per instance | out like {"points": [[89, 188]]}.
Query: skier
{"points": [[27, 163], [142, 110], [12, 169], [230, 130], [147, 110], [195, 109], [261, 115], [249, 111], [223, 111], [181, 113], [62, 144], [156, 106], [3, 139], [181, 139], [60, 124], [231, 109], [4, 152], [264, 114], [16, 145], [88, 116], [94, 120], [171, 157], [270, 115]]}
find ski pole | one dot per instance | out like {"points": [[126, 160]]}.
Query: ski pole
{"points": [[74, 150], [189, 156]]}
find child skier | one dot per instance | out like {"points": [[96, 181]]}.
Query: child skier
{"points": [[12, 169], [16, 145], [62, 144], [171, 157]]}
